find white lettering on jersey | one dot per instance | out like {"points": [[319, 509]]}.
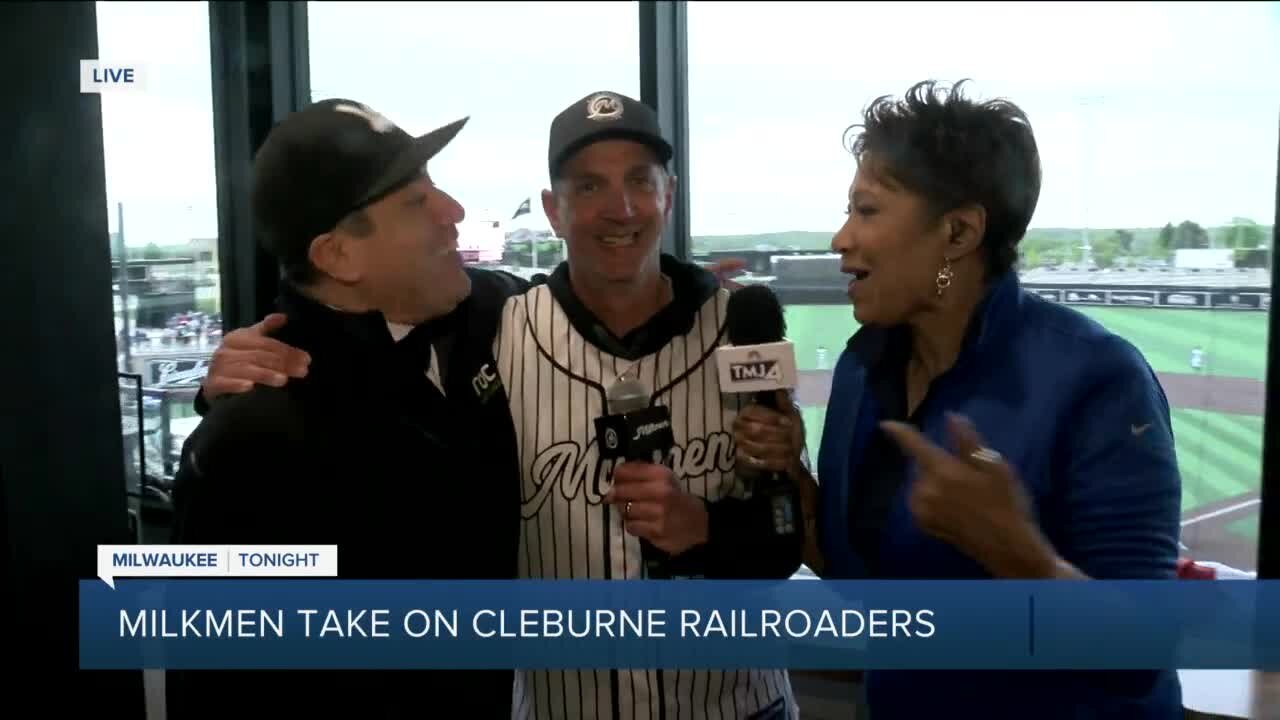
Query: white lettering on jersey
{"points": [[564, 464]]}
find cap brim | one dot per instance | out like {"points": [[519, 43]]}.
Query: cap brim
{"points": [[658, 144], [410, 163]]}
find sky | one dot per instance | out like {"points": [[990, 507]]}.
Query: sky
{"points": [[1144, 113]]}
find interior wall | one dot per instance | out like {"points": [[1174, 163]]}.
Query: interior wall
{"points": [[62, 487]]}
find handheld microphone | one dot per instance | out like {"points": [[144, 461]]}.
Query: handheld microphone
{"points": [[759, 360], [635, 430]]}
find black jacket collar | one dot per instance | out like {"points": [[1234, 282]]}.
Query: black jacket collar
{"points": [[691, 286], [350, 336]]}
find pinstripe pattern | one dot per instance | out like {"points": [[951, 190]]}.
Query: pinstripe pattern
{"points": [[568, 533]]}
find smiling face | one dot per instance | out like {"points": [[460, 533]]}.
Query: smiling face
{"points": [[402, 256], [943, 182], [610, 204], [892, 248]]}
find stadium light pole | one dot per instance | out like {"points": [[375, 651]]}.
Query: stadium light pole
{"points": [[1087, 104], [122, 249]]}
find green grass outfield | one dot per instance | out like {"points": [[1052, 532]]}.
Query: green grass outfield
{"points": [[1235, 342], [1219, 453], [1220, 456]]}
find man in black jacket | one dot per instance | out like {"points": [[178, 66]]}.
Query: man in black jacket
{"points": [[378, 446]]}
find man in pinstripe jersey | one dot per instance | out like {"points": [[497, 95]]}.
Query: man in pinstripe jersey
{"points": [[619, 307]]}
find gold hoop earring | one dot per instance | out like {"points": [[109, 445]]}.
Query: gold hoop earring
{"points": [[943, 281]]}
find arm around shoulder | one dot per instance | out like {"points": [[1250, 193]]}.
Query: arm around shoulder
{"points": [[500, 283]]}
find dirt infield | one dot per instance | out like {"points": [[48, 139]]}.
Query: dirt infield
{"points": [[1243, 396], [1199, 392]]}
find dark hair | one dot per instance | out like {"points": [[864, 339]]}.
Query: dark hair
{"points": [[954, 151], [296, 265]]}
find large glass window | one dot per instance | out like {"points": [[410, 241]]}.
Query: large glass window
{"points": [[510, 66], [162, 221], [1157, 131]]}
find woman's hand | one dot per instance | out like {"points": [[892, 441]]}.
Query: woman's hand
{"points": [[974, 500], [725, 270], [768, 439]]}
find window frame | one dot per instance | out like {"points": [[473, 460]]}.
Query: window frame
{"points": [[261, 72]]}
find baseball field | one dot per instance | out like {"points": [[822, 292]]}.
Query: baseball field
{"points": [[1217, 413]]}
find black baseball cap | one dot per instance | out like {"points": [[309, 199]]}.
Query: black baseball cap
{"points": [[599, 116], [326, 161]]}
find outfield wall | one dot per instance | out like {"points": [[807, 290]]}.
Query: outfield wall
{"points": [[1157, 296], [815, 279]]}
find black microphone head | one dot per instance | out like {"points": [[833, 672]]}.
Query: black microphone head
{"points": [[754, 316]]}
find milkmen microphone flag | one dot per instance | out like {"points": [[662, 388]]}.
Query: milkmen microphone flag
{"points": [[636, 430]]}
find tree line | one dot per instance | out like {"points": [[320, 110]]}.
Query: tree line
{"points": [[1119, 247]]}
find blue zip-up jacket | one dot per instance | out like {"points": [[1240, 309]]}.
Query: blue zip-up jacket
{"points": [[1082, 418]]}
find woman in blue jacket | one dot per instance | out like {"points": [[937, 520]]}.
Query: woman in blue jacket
{"points": [[974, 429]]}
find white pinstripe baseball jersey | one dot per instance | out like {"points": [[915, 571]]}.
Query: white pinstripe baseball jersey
{"points": [[555, 380]]}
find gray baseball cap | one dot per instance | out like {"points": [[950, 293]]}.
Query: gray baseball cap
{"points": [[599, 116]]}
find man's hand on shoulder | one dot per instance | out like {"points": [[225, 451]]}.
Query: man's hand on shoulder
{"points": [[725, 270], [512, 284], [248, 356]]}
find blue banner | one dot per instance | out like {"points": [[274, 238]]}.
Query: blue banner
{"points": [[810, 624]]}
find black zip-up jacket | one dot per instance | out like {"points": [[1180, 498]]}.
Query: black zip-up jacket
{"points": [[366, 454]]}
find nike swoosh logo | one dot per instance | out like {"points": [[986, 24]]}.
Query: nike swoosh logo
{"points": [[1139, 429]]}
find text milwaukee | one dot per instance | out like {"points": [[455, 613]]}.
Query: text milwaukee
{"points": [[164, 559]]}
